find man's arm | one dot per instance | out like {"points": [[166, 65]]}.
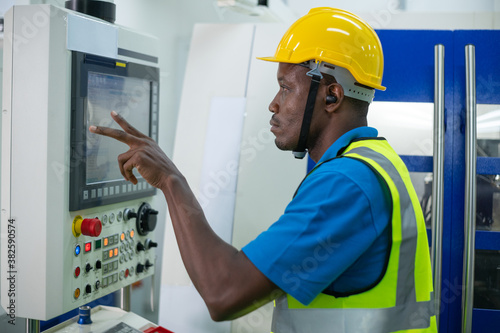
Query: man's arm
{"points": [[226, 279]]}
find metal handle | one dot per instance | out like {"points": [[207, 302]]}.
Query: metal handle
{"points": [[153, 289], [470, 189], [438, 176], [125, 298]]}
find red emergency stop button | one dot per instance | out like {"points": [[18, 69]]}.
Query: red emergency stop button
{"points": [[87, 227], [91, 227]]}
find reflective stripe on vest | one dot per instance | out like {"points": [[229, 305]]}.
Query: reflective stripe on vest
{"points": [[357, 320], [380, 309]]}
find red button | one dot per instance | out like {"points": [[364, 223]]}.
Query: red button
{"points": [[91, 227], [126, 273], [77, 272]]}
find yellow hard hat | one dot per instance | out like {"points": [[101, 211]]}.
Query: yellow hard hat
{"points": [[336, 37]]}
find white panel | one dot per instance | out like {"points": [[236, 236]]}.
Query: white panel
{"points": [[220, 163], [133, 41], [2, 312], [103, 318], [92, 36], [183, 310], [34, 78], [5, 150], [217, 66]]}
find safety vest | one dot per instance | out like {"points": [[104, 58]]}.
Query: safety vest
{"points": [[402, 300]]}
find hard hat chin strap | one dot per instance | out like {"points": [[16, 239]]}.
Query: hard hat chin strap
{"points": [[316, 77], [343, 77]]}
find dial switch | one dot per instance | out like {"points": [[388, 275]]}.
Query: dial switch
{"points": [[146, 219], [149, 244]]}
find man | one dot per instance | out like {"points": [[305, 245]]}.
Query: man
{"points": [[350, 252]]}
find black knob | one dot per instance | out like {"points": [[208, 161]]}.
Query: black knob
{"points": [[139, 268], [88, 289], [148, 264], [140, 247], [128, 214], [88, 268], [97, 284], [146, 219], [149, 244], [98, 264]]}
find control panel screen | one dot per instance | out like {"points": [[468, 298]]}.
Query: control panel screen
{"points": [[98, 87], [130, 97]]}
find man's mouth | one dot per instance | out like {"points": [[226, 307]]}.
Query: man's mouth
{"points": [[274, 124]]}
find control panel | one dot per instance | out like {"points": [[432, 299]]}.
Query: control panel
{"points": [[59, 249], [111, 250]]}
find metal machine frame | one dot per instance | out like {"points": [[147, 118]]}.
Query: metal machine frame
{"points": [[47, 268]]}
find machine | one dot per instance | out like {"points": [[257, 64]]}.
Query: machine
{"points": [[72, 230]]}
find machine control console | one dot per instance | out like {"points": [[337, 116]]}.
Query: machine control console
{"points": [[83, 207], [112, 254]]}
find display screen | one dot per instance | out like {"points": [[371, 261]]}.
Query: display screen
{"points": [[130, 97], [99, 86]]}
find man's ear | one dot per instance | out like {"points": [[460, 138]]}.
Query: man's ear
{"points": [[334, 97]]}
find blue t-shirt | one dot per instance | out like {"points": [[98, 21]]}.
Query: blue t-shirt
{"points": [[335, 233]]}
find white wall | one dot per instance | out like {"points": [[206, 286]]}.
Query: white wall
{"points": [[413, 14], [5, 5], [441, 6]]}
